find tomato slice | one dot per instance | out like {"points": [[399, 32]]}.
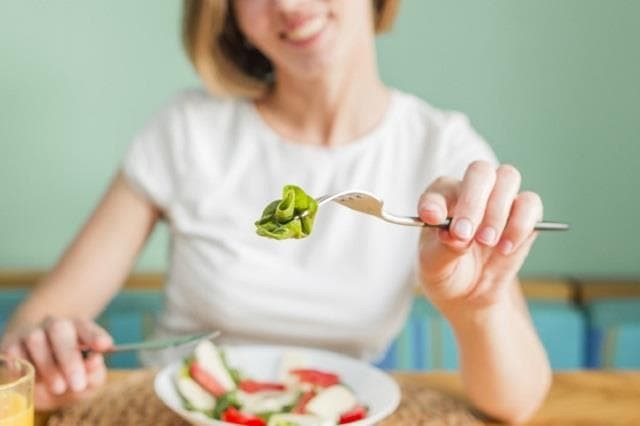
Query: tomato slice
{"points": [[252, 386], [233, 415], [316, 377], [301, 405], [358, 412], [206, 380]]}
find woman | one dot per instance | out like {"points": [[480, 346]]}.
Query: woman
{"points": [[307, 107]]}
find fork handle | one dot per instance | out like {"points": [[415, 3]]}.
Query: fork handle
{"points": [[540, 226]]}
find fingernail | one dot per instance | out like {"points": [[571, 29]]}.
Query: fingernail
{"points": [[463, 228], [78, 382], [58, 387], [506, 247], [487, 235]]}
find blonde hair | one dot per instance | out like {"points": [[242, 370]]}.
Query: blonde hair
{"points": [[229, 65]]}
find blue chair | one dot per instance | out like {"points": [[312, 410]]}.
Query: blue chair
{"points": [[614, 333], [427, 342], [9, 299], [131, 317]]}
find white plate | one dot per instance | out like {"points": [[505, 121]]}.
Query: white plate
{"points": [[372, 387]]}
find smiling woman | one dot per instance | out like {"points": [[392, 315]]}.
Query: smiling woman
{"points": [[305, 104], [227, 62]]}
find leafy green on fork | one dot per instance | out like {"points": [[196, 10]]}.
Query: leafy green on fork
{"points": [[291, 216]]}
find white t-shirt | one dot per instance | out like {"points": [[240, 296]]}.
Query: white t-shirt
{"points": [[213, 164]]}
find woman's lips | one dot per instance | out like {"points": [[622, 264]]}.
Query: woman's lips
{"points": [[306, 31]]}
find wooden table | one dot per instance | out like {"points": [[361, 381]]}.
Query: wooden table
{"points": [[576, 398]]}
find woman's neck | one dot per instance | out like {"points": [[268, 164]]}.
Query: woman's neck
{"points": [[332, 110]]}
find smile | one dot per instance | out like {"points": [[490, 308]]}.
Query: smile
{"points": [[307, 30]]}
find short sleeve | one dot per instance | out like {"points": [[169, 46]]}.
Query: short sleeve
{"points": [[460, 145], [150, 163]]}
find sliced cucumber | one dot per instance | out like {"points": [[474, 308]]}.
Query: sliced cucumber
{"points": [[331, 402], [208, 357], [194, 395]]}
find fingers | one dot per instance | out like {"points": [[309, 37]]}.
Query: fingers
{"points": [[64, 342], [467, 201], [517, 240], [477, 186], [525, 213], [507, 267], [499, 204], [46, 401], [62, 376], [96, 376], [39, 351], [96, 370], [92, 335]]}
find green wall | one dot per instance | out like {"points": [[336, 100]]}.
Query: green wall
{"points": [[552, 85]]}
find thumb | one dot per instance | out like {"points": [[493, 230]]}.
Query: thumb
{"points": [[439, 250]]}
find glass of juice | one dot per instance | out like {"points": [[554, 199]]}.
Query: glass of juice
{"points": [[16, 392]]}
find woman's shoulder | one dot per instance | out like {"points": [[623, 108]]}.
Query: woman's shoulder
{"points": [[191, 116], [198, 101], [434, 120], [444, 137]]}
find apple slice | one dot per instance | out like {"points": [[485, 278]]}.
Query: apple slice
{"points": [[208, 358], [331, 402], [194, 394]]}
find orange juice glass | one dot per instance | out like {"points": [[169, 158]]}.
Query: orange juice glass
{"points": [[16, 392]]}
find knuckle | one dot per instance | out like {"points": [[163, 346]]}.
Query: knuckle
{"points": [[8, 343], [35, 338], [442, 181], [531, 199], [508, 171], [481, 167], [516, 231], [498, 208], [11, 349], [83, 326], [493, 218], [60, 327], [467, 204]]}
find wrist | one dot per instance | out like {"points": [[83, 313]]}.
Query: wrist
{"points": [[476, 313]]}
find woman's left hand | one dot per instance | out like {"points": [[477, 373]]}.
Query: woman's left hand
{"points": [[478, 258]]}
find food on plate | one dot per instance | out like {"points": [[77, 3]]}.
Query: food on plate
{"points": [[291, 216], [299, 396]]}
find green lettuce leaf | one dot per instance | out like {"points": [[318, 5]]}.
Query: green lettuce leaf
{"points": [[281, 219]]}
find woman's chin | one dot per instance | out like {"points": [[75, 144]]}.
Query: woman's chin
{"points": [[312, 70]]}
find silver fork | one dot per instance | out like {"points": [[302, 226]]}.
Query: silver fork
{"points": [[155, 344], [365, 202]]}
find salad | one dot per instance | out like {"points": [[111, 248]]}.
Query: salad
{"points": [[291, 216], [301, 396]]}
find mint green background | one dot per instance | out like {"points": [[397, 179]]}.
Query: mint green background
{"points": [[552, 85]]}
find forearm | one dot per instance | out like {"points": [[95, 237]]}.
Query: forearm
{"points": [[504, 366], [60, 299], [97, 262]]}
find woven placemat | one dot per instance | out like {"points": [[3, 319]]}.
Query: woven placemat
{"points": [[132, 401]]}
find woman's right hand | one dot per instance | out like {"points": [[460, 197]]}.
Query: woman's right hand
{"points": [[54, 348]]}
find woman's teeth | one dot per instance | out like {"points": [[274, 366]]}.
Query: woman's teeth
{"points": [[307, 30]]}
